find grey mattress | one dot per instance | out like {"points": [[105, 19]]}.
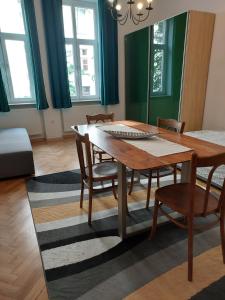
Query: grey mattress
{"points": [[16, 156]]}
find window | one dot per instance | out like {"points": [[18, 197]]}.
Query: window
{"points": [[161, 58], [15, 57], [81, 39]]}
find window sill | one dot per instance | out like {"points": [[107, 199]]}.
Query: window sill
{"points": [[85, 102], [22, 105], [74, 103]]}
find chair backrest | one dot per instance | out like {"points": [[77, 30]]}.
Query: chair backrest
{"points": [[171, 124], [84, 153], [100, 118], [214, 162]]}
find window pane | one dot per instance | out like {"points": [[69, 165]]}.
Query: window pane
{"points": [[87, 70], [67, 20], [18, 68], [71, 70], [158, 69], [160, 33], [11, 17], [85, 23]]}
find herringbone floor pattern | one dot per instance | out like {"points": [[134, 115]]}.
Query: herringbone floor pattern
{"points": [[21, 275]]}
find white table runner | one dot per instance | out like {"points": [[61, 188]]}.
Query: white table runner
{"points": [[157, 146]]}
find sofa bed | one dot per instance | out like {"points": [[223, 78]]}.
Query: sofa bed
{"points": [[16, 155]]}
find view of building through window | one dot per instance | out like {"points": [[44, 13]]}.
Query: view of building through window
{"points": [[81, 49], [87, 70], [81, 43], [16, 69], [160, 58]]}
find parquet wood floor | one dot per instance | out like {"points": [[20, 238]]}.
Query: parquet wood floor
{"points": [[21, 275]]}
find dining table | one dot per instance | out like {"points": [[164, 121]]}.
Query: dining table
{"points": [[132, 156]]}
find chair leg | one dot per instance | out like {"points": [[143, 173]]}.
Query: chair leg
{"points": [[154, 221], [127, 208], [190, 248], [90, 205], [222, 234], [175, 174], [158, 182], [149, 189], [131, 183], [113, 189], [93, 156], [82, 193]]}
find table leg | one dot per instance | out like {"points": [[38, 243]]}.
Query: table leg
{"points": [[186, 172], [122, 199]]}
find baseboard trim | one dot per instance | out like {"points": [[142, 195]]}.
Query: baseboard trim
{"points": [[37, 138], [66, 135]]}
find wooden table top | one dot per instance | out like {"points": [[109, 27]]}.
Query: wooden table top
{"points": [[137, 159]]}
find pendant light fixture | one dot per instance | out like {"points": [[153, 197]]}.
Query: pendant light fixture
{"points": [[137, 11]]}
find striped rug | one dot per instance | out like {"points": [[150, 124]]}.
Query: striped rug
{"points": [[82, 262]]}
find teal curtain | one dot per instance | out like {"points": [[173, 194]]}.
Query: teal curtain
{"points": [[4, 106], [108, 55], [41, 100], [55, 41]]}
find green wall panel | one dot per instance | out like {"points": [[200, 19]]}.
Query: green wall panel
{"points": [[136, 75]]}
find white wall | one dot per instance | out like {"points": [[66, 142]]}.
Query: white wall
{"points": [[76, 115], [164, 9], [214, 117], [29, 118], [53, 123]]}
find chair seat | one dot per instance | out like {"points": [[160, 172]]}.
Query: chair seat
{"points": [[177, 197], [104, 170], [166, 171]]}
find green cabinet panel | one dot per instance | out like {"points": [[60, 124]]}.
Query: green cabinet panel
{"points": [[168, 106], [140, 105], [136, 75]]}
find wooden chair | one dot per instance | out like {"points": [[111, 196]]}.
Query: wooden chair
{"points": [[92, 173], [192, 201], [99, 118], [168, 124]]}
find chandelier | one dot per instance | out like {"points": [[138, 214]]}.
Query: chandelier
{"points": [[135, 11]]}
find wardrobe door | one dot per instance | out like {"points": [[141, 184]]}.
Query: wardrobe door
{"points": [[167, 52], [136, 75], [198, 52]]}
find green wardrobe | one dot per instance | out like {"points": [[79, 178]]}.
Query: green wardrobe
{"points": [[137, 77], [163, 64]]}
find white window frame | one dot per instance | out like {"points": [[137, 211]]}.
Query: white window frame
{"points": [[75, 42], [4, 63]]}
